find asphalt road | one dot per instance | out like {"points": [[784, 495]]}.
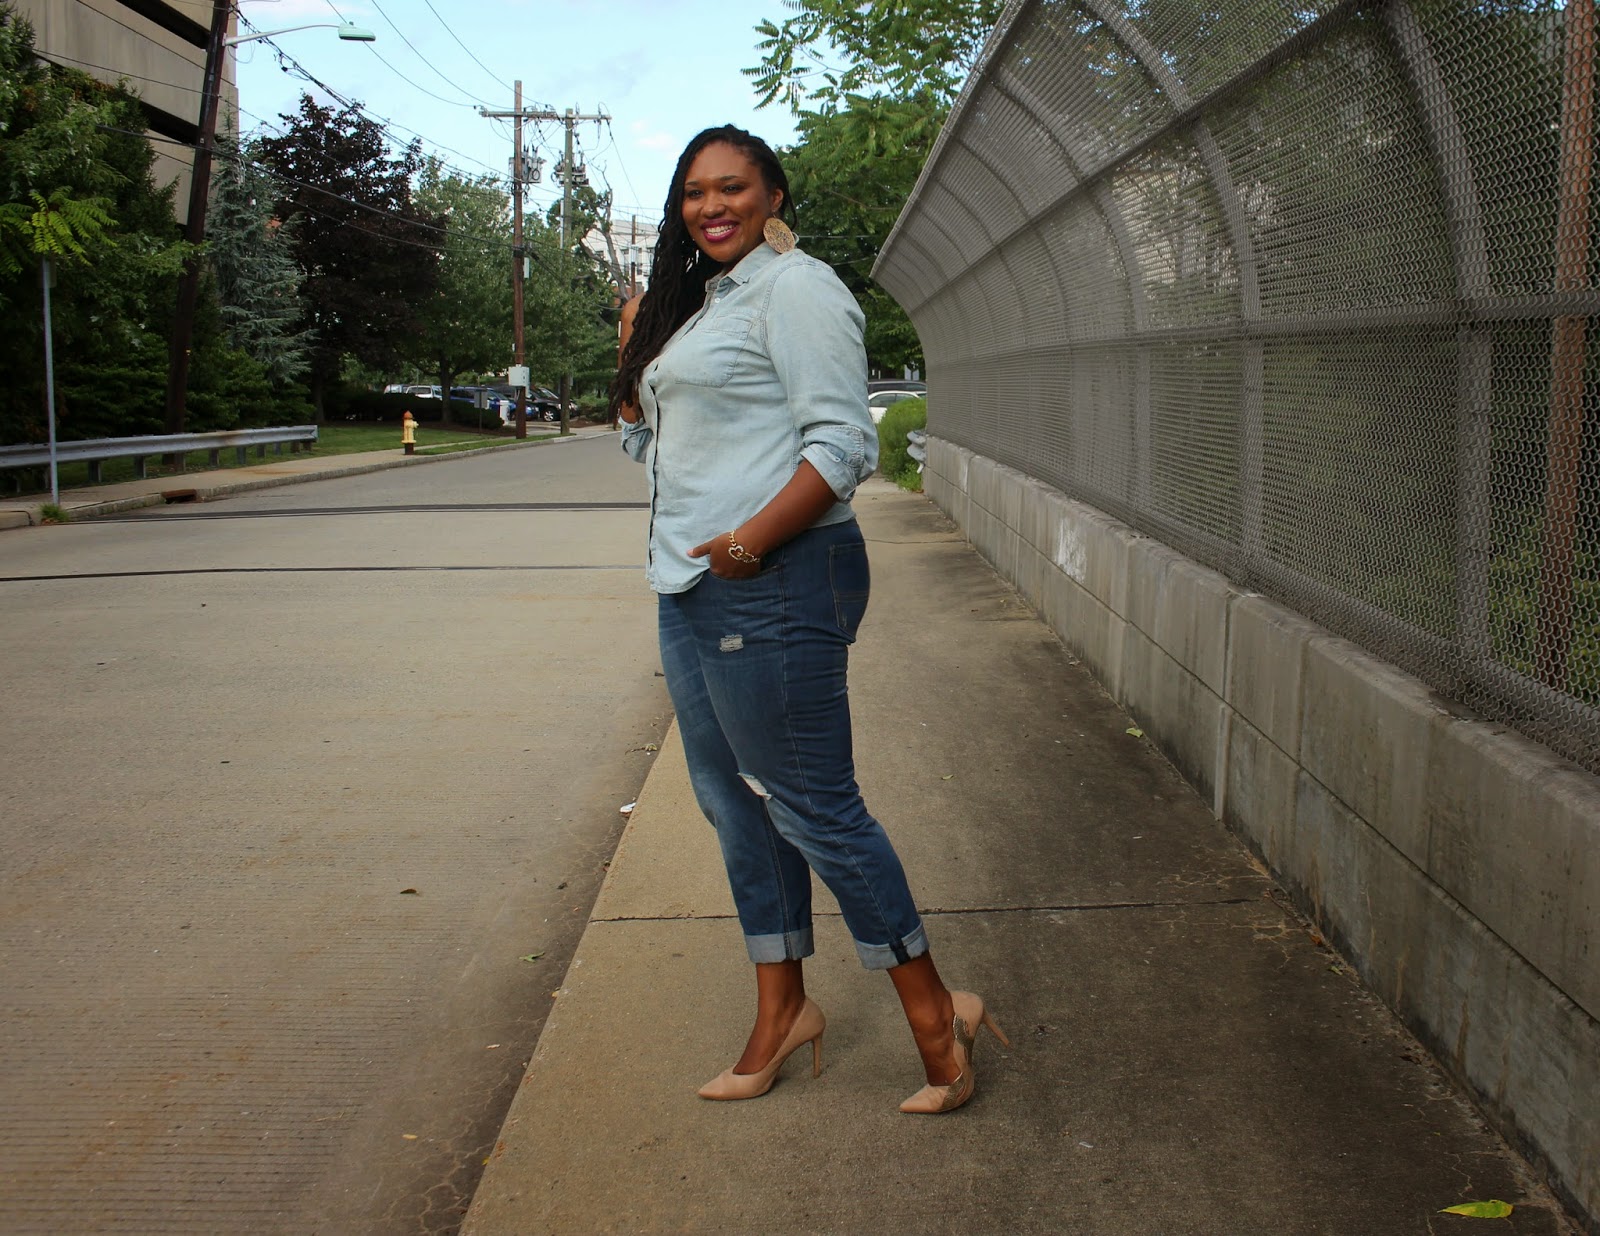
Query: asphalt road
{"points": [[306, 796]]}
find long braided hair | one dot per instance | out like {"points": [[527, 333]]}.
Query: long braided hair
{"points": [[680, 270]]}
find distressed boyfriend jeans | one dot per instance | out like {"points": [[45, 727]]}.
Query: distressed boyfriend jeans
{"points": [[757, 670]]}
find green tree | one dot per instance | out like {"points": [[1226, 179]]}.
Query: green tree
{"points": [[850, 173], [566, 298], [466, 323], [833, 48], [368, 255], [870, 86], [75, 184]]}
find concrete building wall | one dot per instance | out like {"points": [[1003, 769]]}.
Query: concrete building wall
{"points": [[160, 58], [1454, 862]]}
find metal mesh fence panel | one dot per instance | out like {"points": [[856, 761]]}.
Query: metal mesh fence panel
{"points": [[1307, 289]]}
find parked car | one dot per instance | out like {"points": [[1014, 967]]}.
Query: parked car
{"points": [[913, 385], [878, 401], [543, 405]]}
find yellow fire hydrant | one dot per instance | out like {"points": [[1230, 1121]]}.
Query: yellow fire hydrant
{"points": [[408, 433]]}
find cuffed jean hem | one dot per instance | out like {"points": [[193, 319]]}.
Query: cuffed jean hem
{"points": [[888, 956], [787, 946]]}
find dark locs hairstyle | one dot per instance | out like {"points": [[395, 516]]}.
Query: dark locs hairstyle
{"points": [[679, 273]]}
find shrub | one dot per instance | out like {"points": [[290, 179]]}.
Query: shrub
{"points": [[894, 459]]}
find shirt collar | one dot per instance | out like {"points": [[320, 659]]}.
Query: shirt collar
{"points": [[749, 266]]}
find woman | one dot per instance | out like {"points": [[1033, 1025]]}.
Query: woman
{"points": [[742, 388]]}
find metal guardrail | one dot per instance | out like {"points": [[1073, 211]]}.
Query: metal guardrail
{"points": [[95, 451]]}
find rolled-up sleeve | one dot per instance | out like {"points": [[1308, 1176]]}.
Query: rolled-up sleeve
{"points": [[635, 438], [815, 337]]}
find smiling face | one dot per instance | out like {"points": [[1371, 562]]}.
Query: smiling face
{"points": [[726, 203]]}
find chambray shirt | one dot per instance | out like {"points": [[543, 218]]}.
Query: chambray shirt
{"points": [[771, 370]]}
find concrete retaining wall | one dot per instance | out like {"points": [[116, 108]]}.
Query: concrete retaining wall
{"points": [[1455, 863]]}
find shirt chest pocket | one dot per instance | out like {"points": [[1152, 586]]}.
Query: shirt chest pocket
{"points": [[710, 354]]}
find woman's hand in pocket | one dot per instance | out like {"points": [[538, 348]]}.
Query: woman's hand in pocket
{"points": [[722, 563]]}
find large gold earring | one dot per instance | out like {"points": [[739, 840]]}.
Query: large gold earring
{"points": [[777, 234]]}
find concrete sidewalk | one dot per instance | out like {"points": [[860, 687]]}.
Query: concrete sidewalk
{"points": [[1187, 1057], [88, 501]]}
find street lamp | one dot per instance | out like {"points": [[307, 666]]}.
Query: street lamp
{"points": [[353, 33], [200, 190]]}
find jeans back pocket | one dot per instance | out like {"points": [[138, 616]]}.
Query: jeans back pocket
{"points": [[851, 581]]}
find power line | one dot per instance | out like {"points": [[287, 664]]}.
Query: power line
{"points": [[464, 47], [280, 178], [485, 242], [419, 55], [285, 60], [65, 61]]}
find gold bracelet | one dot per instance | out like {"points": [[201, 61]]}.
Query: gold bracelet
{"points": [[739, 553]]}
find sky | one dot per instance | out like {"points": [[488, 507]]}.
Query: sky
{"points": [[662, 69]]}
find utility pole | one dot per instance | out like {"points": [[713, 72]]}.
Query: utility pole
{"points": [[519, 253], [519, 267], [570, 176], [195, 225], [569, 119]]}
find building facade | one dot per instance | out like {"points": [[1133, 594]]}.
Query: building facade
{"points": [[157, 50], [628, 254]]}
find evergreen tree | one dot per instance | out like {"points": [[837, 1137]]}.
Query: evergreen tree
{"points": [[253, 270]]}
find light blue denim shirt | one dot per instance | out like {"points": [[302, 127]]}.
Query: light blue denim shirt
{"points": [[771, 370]]}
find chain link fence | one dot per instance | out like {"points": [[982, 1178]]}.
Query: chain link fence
{"points": [[1307, 291]]}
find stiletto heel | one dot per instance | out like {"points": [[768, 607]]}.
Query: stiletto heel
{"points": [[970, 1011], [807, 1028], [969, 1015]]}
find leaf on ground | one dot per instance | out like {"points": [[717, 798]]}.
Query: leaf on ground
{"points": [[948, 777], [410, 1137], [1491, 1209], [409, 892], [530, 957], [1135, 731]]}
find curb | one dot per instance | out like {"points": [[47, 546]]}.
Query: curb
{"points": [[27, 516]]}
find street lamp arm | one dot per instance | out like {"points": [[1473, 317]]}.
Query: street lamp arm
{"points": [[345, 29]]}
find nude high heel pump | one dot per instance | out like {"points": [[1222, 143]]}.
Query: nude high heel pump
{"points": [[807, 1028], [969, 1015]]}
